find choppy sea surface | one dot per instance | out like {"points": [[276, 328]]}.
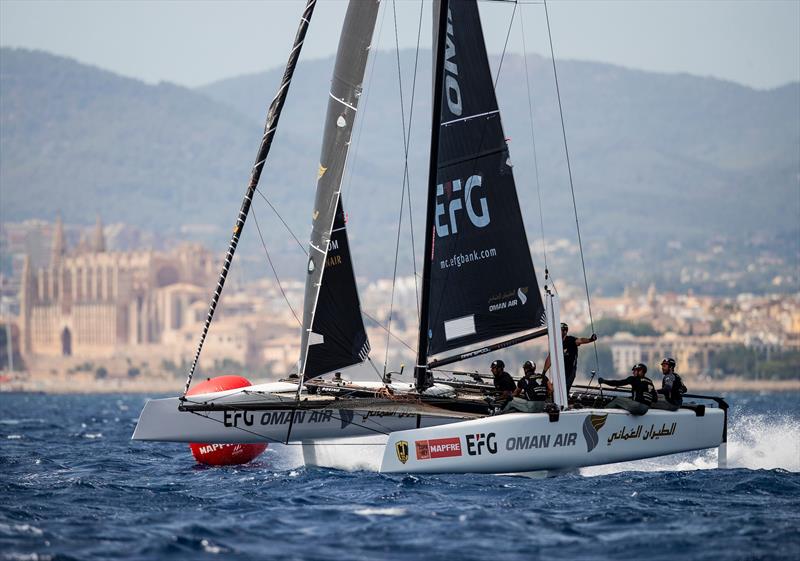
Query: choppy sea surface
{"points": [[73, 486]]}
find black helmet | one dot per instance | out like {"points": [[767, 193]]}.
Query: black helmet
{"points": [[529, 365], [670, 361], [640, 366], [498, 364], [564, 326]]}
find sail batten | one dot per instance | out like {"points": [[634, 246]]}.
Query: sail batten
{"points": [[333, 334]]}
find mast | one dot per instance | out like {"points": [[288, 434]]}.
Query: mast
{"points": [[333, 333], [440, 27], [273, 115]]}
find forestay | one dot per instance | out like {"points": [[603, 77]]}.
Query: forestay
{"points": [[482, 282], [333, 331]]}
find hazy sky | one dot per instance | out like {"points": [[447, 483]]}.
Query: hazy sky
{"points": [[193, 42]]}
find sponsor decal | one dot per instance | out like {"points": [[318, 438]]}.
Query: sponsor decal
{"points": [[459, 259], [478, 443], [452, 89], [237, 419], [446, 220], [641, 433], [510, 299], [540, 441], [438, 448], [401, 448], [208, 448], [591, 426]]}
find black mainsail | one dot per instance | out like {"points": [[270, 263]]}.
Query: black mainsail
{"points": [[479, 275], [333, 334]]}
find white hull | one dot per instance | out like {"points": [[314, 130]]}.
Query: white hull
{"points": [[523, 442], [161, 420], [399, 437]]}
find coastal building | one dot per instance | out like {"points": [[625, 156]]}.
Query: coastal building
{"points": [[88, 301], [694, 354]]}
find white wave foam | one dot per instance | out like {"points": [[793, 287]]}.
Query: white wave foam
{"points": [[14, 556], [209, 547], [349, 454], [20, 529], [754, 442], [381, 512]]}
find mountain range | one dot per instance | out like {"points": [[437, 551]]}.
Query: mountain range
{"points": [[657, 160]]}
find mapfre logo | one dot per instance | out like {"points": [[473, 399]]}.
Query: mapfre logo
{"points": [[437, 448], [478, 443]]}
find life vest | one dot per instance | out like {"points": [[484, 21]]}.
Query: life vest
{"points": [[536, 388], [673, 388], [643, 391]]}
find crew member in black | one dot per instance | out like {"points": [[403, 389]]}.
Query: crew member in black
{"points": [[532, 391], [570, 345], [503, 382], [643, 393], [672, 387], [533, 386]]}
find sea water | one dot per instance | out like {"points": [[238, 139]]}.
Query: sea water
{"points": [[73, 486]]}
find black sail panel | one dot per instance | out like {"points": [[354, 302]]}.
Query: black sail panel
{"points": [[482, 282], [333, 333], [338, 336]]}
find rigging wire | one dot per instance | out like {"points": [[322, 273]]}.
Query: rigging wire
{"points": [[408, 143], [272, 266], [571, 183], [270, 126], [278, 214], [533, 141], [505, 45], [406, 185], [395, 337]]}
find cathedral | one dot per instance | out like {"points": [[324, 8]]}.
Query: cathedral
{"points": [[90, 301]]}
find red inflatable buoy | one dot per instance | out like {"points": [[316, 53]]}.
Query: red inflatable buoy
{"points": [[223, 454]]}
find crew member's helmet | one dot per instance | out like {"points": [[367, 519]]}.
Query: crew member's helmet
{"points": [[529, 365], [498, 364], [564, 326], [640, 366], [669, 361]]}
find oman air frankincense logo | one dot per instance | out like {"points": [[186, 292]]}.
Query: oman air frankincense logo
{"points": [[591, 426]]}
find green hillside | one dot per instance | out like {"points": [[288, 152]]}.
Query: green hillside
{"points": [[659, 161]]}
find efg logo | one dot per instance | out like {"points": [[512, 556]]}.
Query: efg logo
{"points": [[446, 219], [477, 443]]}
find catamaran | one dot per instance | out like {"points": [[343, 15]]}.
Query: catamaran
{"points": [[479, 294]]}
